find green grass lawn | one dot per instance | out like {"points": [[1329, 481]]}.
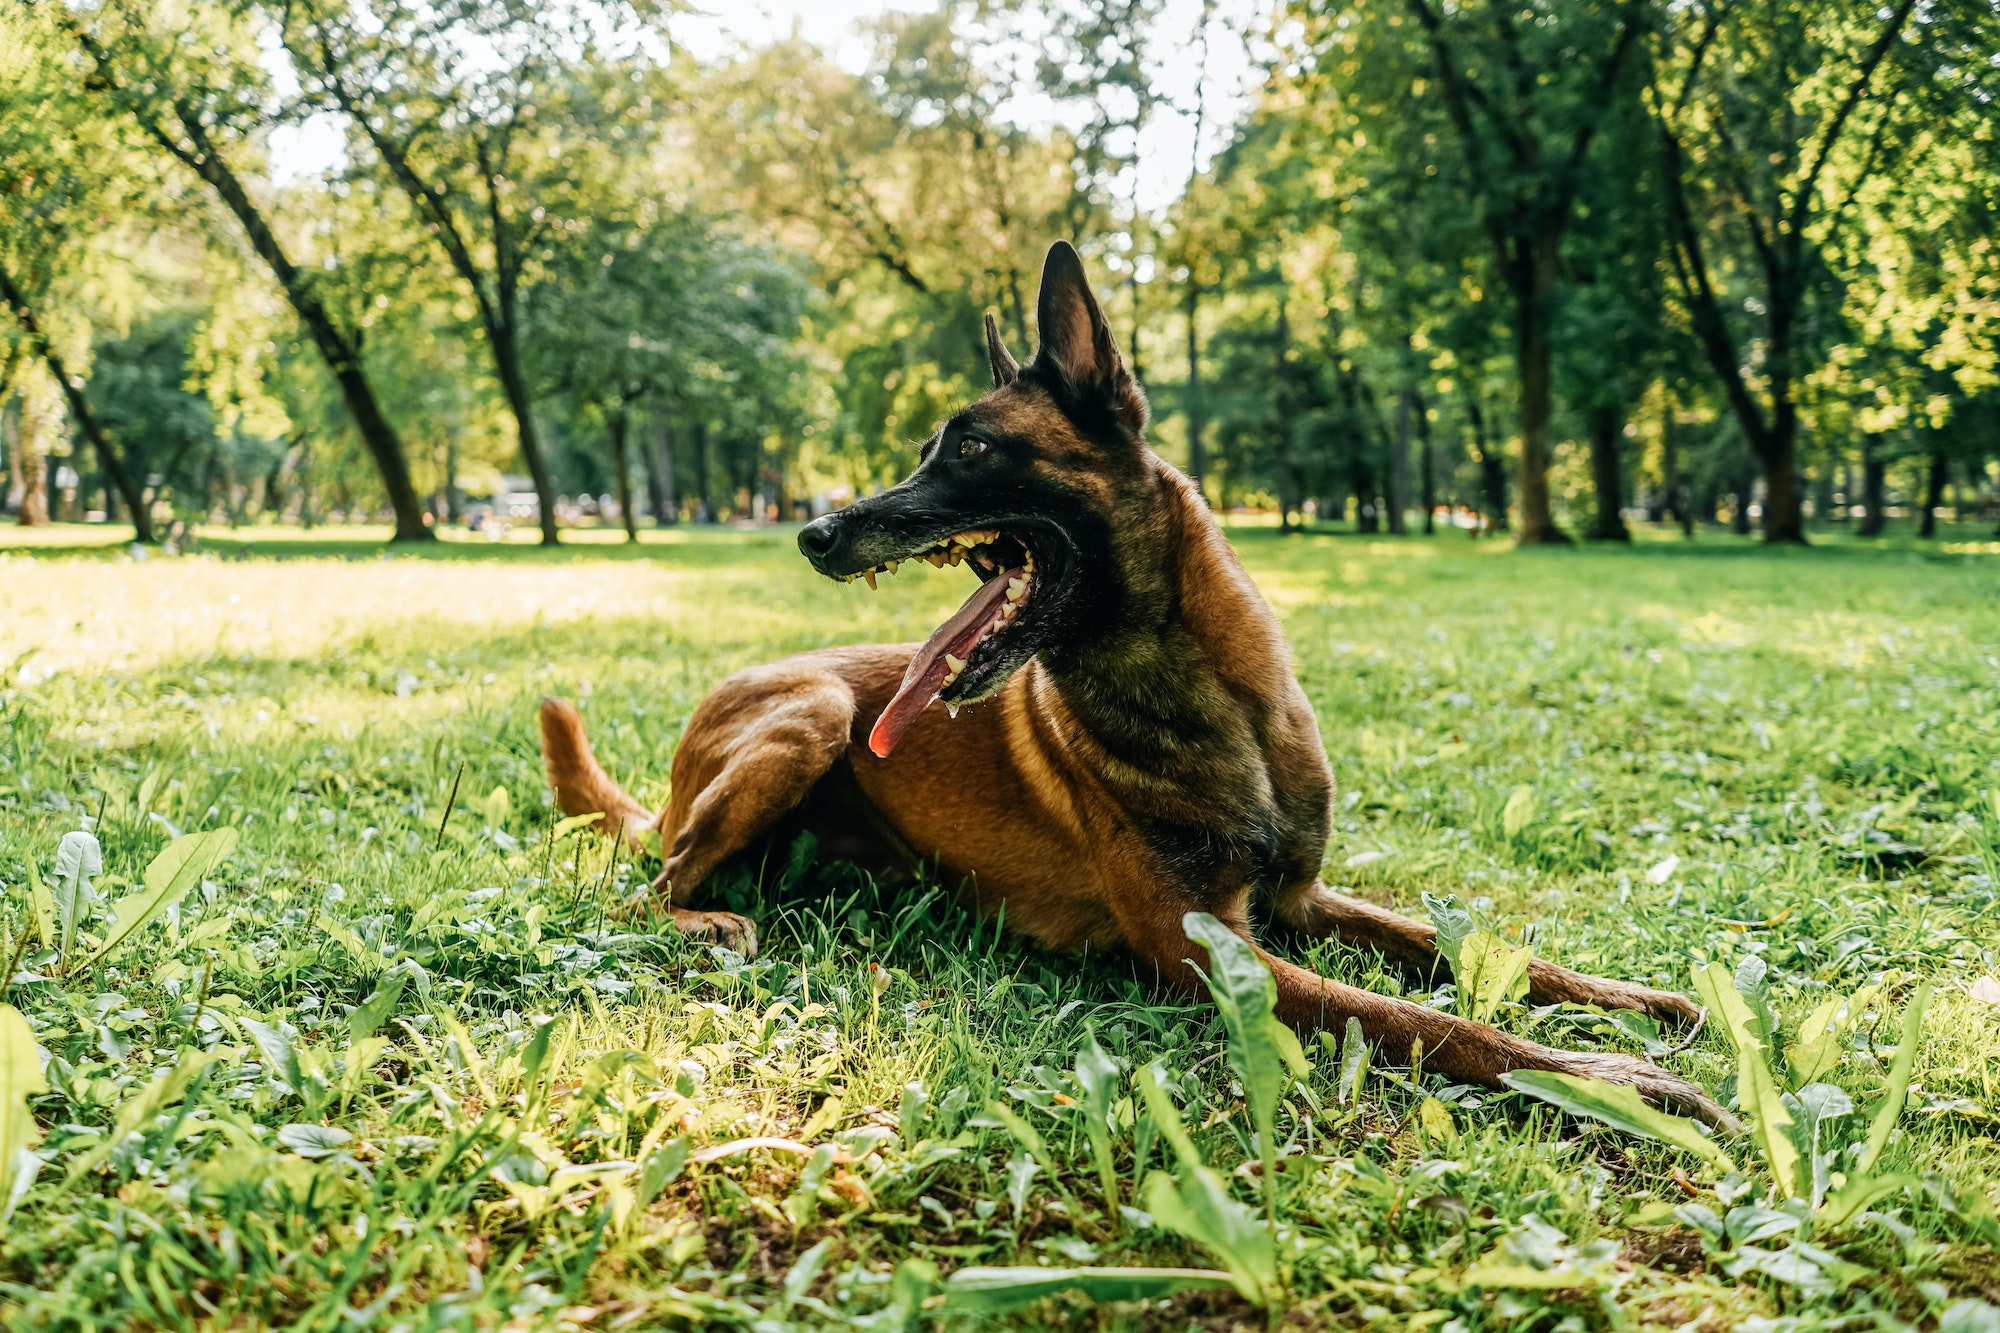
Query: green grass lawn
{"points": [[1638, 762]]}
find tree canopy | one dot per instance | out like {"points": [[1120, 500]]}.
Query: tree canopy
{"points": [[1529, 268]]}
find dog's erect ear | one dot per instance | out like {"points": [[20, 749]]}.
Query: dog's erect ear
{"points": [[1005, 368], [1076, 343]]}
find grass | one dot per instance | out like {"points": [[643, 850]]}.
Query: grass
{"points": [[1811, 734]]}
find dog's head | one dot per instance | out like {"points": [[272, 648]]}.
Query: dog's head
{"points": [[1022, 488]]}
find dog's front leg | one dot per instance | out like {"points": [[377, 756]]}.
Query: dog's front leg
{"points": [[1312, 907], [1456, 1047]]}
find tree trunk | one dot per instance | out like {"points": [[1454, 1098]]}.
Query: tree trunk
{"points": [[1933, 493], [1426, 466], [507, 360], [1873, 516], [307, 516], [666, 502], [1288, 479], [1784, 510], [1739, 518], [1492, 471], [704, 499], [17, 472], [1399, 464], [1534, 295], [1197, 456], [10, 429], [454, 499], [1607, 477], [1678, 499], [649, 463], [37, 425], [622, 460]]}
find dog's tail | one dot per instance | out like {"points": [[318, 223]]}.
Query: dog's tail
{"points": [[581, 785]]}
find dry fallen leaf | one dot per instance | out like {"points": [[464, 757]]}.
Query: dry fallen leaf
{"points": [[1988, 990]]}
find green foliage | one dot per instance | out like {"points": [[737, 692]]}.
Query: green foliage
{"points": [[1490, 973], [1264, 1054], [1194, 1201], [990, 1290], [1098, 1078], [20, 1079], [1756, 1086], [1619, 1106], [79, 860], [180, 866]]}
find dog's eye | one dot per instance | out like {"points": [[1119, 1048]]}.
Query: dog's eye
{"points": [[971, 447]]}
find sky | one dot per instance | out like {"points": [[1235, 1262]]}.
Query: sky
{"points": [[1166, 149]]}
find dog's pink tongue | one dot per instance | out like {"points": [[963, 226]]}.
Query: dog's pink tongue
{"points": [[928, 669]]}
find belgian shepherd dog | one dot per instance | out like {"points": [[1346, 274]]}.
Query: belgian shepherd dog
{"points": [[1106, 737]]}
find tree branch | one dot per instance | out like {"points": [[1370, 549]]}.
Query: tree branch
{"points": [[1461, 96], [93, 429], [1594, 113], [1809, 183], [395, 156], [1700, 54], [1691, 267]]}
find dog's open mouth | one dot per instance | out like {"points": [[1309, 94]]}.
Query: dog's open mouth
{"points": [[959, 662]]}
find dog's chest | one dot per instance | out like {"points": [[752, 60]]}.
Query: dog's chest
{"points": [[1241, 851]]}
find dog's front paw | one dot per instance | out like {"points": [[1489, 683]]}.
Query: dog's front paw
{"points": [[1655, 1084], [1549, 984], [737, 933]]}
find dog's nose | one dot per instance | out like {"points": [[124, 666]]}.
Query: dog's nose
{"points": [[818, 538]]}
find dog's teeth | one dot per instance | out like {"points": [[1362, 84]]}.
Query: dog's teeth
{"points": [[1009, 611], [999, 623], [956, 664], [1016, 589], [950, 710], [869, 574]]}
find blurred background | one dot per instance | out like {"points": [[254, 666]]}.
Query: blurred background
{"points": [[492, 269]]}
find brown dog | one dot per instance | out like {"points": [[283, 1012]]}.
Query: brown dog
{"points": [[1141, 749]]}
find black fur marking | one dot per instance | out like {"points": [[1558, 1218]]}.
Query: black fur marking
{"points": [[1200, 850]]}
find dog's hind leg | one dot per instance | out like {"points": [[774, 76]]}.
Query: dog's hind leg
{"points": [[752, 751], [1311, 907]]}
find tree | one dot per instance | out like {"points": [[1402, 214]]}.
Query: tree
{"points": [[1193, 253], [1612, 323], [62, 173], [492, 118], [1093, 58], [664, 315], [918, 207], [1524, 101], [188, 77], [1916, 366], [1771, 115]]}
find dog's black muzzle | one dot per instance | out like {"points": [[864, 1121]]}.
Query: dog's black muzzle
{"points": [[879, 528]]}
